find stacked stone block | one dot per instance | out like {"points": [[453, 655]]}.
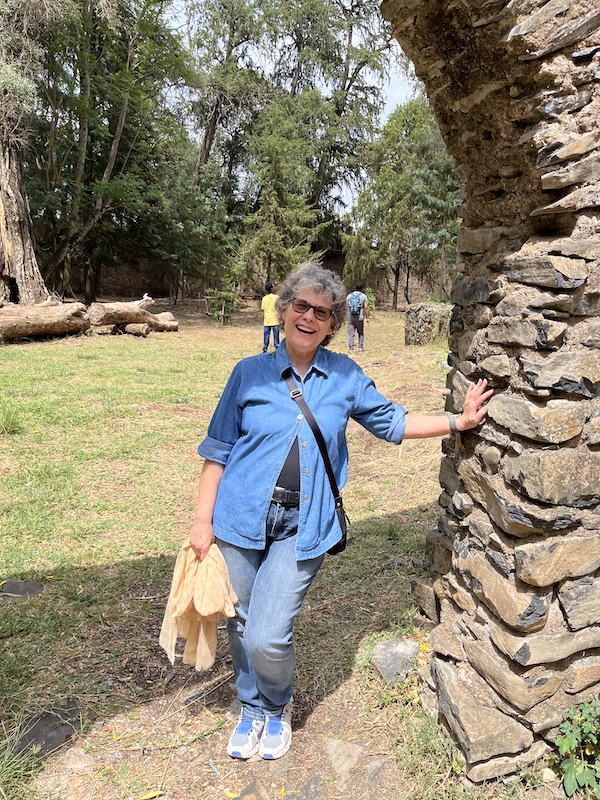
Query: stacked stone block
{"points": [[516, 91]]}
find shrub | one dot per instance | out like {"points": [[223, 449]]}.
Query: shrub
{"points": [[578, 758]]}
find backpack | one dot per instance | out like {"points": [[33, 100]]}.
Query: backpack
{"points": [[355, 304]]}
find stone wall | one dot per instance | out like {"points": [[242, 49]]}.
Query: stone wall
{"points": [[516, 90], [426, 322]]}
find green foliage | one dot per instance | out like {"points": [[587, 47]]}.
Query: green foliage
{"points": [[22, 25], [17, 769], [10, 421], [578, 758], [405, 219], [214, 153], [103, 135], [221, 306], [372, 299], [280, 233]]}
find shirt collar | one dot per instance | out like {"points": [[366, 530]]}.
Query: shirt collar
{"points": [[283, 362]]}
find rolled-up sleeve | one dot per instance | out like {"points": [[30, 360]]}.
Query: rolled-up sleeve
{"points": [[379, 416], [214, 450], [225, 426]]}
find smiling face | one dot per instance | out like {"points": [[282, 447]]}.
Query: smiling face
{"points": [[304, 332]]}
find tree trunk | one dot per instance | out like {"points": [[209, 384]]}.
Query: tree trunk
{"points": [[209, 137], [46, 319], [136, 329], [135, 312], [120, 313], [18, 268]]}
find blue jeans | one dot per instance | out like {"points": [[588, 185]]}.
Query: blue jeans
{"points": [[267, 335], [270, 585]]}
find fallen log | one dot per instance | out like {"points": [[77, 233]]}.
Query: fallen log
{"points": [[121, 313], [42, 319], [167, 321], [134, 312], [135, 329]]}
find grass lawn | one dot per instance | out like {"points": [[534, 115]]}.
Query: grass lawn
{"points": [[98, 475]]}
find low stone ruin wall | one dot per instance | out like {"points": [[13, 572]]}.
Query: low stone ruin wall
{"points": [[426, 322]]}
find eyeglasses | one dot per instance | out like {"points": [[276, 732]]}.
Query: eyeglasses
{"points": [[321, 312]]}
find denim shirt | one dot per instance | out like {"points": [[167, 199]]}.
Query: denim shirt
{"points": [[254, 426]]}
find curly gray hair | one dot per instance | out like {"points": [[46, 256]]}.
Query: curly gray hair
{"points": [[320, 281]]}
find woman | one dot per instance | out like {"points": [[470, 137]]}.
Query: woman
{"points": [[265, 497]]}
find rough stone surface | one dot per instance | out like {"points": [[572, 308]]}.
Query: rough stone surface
{"points": [[460, 596], [582, 673], [552, 560], [449, 477], [51, 729], [516, 91], [480, 240], [424, 596], [556, 421], [540, 648], [426, 322], [510, 514], [547, 476], [549, 713], [521, 691], [394, 659], [555, 272], [505, 765], [584, 197], [344, 756], [538, 333], [580, 602], [76, 759], [445, 643], [481, 731], [521, 610], [478, 290], [583, 170], [496, 366], [10, 591], [576, 372]]}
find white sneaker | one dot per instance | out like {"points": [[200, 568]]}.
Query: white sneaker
{"points": [[244, 739], [277, 734]]}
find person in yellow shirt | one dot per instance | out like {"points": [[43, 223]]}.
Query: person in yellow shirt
{"points": [[271, 319]]}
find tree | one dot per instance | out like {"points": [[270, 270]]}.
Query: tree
{"points": [[318, 62], [227, 36], [97, 135], [20, 25], [280, 232], [364, 52], [405, 219]]}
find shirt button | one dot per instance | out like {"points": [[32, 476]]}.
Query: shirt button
{"points": [[303, 444], [299, 416], [306, 471], [306, 497]]}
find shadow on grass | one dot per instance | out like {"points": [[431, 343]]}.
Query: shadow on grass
{"points": [[92, 635]]}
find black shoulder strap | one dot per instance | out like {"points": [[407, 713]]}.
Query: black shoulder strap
{"points": [[296, 395]]}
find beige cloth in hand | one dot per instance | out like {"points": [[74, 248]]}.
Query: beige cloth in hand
{"points": [[201, 595]]}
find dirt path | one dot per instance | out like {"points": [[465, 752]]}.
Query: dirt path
{"points": [[166, 746]]}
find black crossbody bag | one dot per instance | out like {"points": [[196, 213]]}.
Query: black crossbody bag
{"points": [[297, 397]]}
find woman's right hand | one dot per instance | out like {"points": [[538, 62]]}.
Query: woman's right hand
{"points": [[201, 538]]}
